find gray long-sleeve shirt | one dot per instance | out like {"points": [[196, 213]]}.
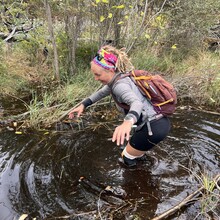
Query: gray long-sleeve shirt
{"points": [[125, 91]]}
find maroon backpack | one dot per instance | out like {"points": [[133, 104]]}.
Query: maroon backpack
{"points": [[156, 89]]}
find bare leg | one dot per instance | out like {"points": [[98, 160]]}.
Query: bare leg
{"points": [[132, 151]]}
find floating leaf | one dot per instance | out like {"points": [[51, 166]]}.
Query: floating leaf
{"points": [[102, 18], [108, 188], [109, 15], [18, 132], [126, 16], [105, 1], [15, 124], [10, 129], [174, 46], [120, 22], [81, 178], [24, 216], [147, 36], [97, 1]]}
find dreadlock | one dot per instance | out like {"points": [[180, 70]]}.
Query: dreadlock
{"points": [[123, 63]]}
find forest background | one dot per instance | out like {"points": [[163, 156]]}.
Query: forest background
{"points": [[47, 45]]}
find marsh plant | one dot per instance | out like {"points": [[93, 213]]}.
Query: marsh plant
{"points": [[211, 197]]}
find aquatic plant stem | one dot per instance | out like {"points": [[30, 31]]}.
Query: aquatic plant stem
{"points": [[190, 198]]}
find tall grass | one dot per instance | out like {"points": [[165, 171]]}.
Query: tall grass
{"points": [[196, 78], [45, 109], [16, 75]]}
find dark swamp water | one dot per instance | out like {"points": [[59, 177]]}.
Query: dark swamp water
{"points": [[40, 172]]}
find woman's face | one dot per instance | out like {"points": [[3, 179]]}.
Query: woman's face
{"points": [[102, 75]]}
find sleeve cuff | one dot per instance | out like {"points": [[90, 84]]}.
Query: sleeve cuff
{"points": [[87, 102]]}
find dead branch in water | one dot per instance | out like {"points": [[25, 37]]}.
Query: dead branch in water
{"points": [[68, 111], [187, 200], [206, 111]]}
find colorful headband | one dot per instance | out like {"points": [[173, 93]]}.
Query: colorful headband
{"points": [[105, 59]]}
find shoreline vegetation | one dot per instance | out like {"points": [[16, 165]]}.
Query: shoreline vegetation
{"points": [[46, 48], [45, 101]]}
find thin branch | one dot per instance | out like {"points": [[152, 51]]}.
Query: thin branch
{"points": [[10, 35], [142, 23], [185, 201], [142, 29]]}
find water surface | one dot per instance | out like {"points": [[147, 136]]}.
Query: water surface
{"points": [[40, 172]]}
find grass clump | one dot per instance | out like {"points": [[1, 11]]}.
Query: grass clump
{"points": [[17, 76], [198, 79], [46, 108], [211, 196]]}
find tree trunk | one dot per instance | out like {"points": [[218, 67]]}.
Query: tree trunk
{"points": [[71, 31], [50, 28], [72, 25]]}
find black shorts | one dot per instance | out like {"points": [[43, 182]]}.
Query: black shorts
{"points": [[141, 140]]}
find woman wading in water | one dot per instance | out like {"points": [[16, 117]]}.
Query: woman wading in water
{"points": [[107, 66]]}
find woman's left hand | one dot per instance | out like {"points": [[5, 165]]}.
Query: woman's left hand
{"points": [[122, 132]]}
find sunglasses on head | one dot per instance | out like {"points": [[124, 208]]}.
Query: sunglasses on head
{"points": [[100, 57]]}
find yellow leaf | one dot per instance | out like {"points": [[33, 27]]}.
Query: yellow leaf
{"points": [[120, 22], [24, 216], [46, 132], [97, 1], [147, 36], [102, 18], [130, 6], [159, 18], [109, 15], [126, 16], [93, 4], [155, 42], [174, 46], [105, 1], [18, 132], [212, 100], [120, 6], [142, 13]]}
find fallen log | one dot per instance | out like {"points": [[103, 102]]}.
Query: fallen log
{"points": [[187, 200]]}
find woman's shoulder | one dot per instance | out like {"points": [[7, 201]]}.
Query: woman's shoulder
{"points": [[122, 84]]}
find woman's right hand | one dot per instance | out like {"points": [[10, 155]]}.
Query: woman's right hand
{"points": [[79, 110]]}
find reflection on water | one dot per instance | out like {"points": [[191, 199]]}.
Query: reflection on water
{"points": [[40, 171]]}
